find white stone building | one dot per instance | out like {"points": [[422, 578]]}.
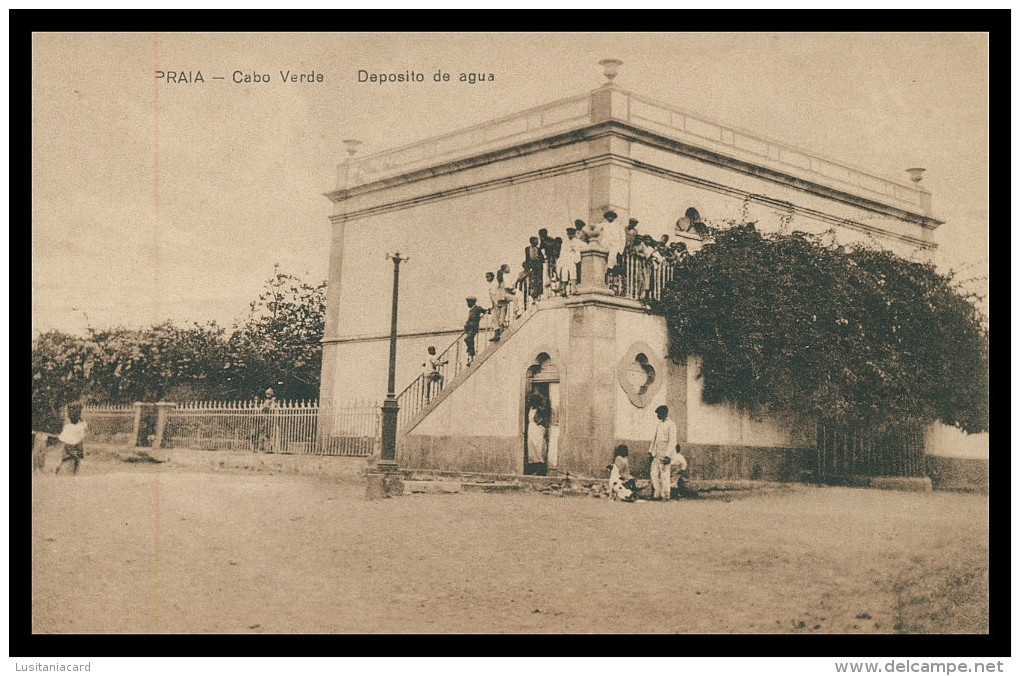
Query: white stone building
{"points": [[464, 203]]}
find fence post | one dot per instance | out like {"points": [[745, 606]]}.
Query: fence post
{"points": [[163, 410], [138, 421]]}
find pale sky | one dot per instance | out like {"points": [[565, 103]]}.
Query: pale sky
{"points": [[242, 167]]}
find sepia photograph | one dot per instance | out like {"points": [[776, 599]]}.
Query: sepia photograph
{"points": [[509, 333]]}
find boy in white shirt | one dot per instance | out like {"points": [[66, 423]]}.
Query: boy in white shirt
{"points": [[433, 374], [72, 435]]}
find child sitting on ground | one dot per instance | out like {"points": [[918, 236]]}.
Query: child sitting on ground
{"points": [[621, 485], [72, 435], [678, 470]]}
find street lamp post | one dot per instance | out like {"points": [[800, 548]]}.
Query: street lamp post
{"points": [[390, 407]]}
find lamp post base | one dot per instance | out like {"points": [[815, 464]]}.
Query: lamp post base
{"points": [[383, 484], [388, 455]]}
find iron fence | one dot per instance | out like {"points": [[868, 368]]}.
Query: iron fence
{"points": [[283, 427], [352, 428], [110, 424], [844, 451]]}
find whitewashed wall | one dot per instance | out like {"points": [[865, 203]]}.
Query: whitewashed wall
{"points": [[952, 442], [723, 424], [451, 242], [657, 202]]}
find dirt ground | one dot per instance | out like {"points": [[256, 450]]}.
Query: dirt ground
{"points": [[139, 548]]}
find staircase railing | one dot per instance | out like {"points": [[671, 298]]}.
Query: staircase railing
{"points": [[422, 389], [640, 278]]}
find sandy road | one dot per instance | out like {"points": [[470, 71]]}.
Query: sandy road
{"points": [[142, 549]]}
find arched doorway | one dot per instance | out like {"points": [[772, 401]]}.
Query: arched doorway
{"points": [[542, 384]]}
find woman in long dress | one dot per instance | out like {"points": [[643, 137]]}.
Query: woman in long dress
{"points": [[538, 430]]}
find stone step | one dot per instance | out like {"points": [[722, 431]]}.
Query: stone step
{"points": [[490, 487], [431, 487], [445, 486]]}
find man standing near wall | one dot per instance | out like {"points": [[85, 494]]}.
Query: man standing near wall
{"points": [[663, 452]]}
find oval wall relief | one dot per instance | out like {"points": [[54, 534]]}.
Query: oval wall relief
{"points": [[640, 373]]}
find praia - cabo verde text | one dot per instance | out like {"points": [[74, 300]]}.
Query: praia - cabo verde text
{"points": [[416, 76], [240, 77]]}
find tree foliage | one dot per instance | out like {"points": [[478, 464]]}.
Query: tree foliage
{"points": [[278, 344], [852, 335]]}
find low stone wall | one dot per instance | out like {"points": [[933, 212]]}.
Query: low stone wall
{"points": [[502, 455], [958, 474], [341, 467], [750, 463], [916, 484], [408, 481]]}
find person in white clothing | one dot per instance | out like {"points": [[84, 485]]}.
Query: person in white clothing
{"points": [[621, 484], [566, 264], [433, 372], [497, 297], [538, 435], [678, 471], [662, 451], [72, 436], [613, 239]]}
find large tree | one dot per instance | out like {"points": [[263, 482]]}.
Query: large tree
{"points": [[280, 342], [850, 335]]}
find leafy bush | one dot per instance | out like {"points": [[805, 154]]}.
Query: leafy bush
{"points": [[279, 342], [851, 335]]}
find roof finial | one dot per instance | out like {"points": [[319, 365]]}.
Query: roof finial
{"points": [[352, 146], [347, 172], [610, 68], [915, 174]]}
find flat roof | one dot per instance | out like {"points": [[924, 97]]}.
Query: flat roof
{"points": [[613, 105]]}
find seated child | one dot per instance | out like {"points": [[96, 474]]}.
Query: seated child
{"points": [[678, 472], [621, 484]]}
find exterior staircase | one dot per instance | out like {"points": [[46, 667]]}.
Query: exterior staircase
{"points": [[418, 400]]}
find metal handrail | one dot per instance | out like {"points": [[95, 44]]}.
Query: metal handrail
{"points": [[420, 391], [641, 278]]}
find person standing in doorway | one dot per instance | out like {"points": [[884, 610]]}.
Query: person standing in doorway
{"points": [[538, 434], [662, 451]]}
